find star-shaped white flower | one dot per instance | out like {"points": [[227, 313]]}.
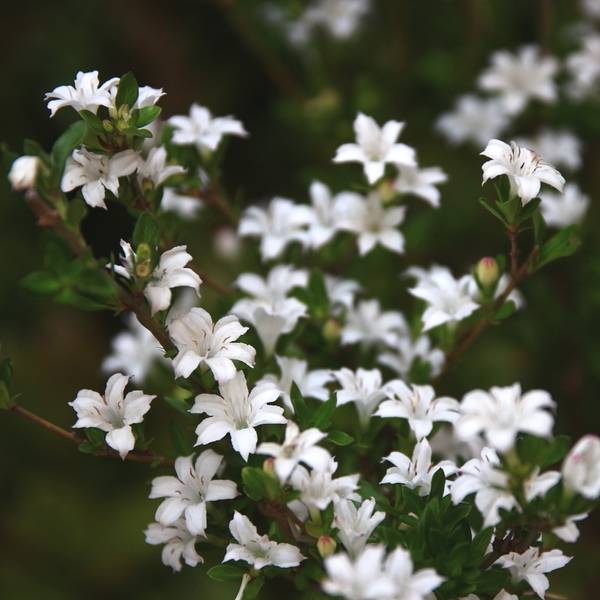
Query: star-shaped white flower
{"points": [[502, 412], [355, 526], [258, 550], [581, 467], [326, 212], [185, 206], [521, 78], [112, 412], [170, 272], [155, 169], [419, 405], [297, 447], [559, 147], [376, 146], [341, 292], [526, 171], [418, 472], [237, 413], [561, 210], [474, 120], [203, 130], [584, 68], [187, 494], [87, 94], [340, 18], [179, 543], [420, 182], [200, 342], [283, 222], [410, 585], [368, 325], [406, 350], [531, 565], [97, 173], [362, 387]]}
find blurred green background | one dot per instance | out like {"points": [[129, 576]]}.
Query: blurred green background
{"points": [[70, 524]]}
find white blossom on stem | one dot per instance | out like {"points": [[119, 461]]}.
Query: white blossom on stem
{"points": [[179, 543], [237, 413], [406, 350], [362, 387], [155, 168], [561, 210], [526, 171], [376, 146], [410, 585], [581, 467], [185, 206], [187, 494], [561, 147], [112, 412], [340, 18], [368, 325], [420, 182], [355, 525], [202, 342], [23, 172], [326, 212], [96, 173], [584, 68]]}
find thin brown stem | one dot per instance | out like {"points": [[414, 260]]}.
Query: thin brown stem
{"points": [[514, 252], [146, 456]]}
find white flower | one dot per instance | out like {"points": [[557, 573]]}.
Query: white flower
{"points": [[282, 222], [202, 130], [187, 494], [407, 350], [23, 172], [561, 210], [584, 67], [561, 148], [490, 486], [170, 272], [341, 292], [448, 298], [569, 532], [134, 351], [294, 370], [520, 78], [419, 472], [446, 444], [581, 467], [326, 211], [355, 525], [186, 207], [420, 182], [128, 261], [525, 170], [501, 595], [537, 485], [409, 585], [112, 412], [376, 146], [279, 282], [531, 565], [86, 95], [359, 579], [591, 8], [179, 542], [147, 96], [237, 413], [502, 412], [258, 550], [369, 326], [339, 17], [373, 223], [297, 447], [474, 119], [417, 404], [200, 342], [155, 169], [363, 388], [97, 172]]}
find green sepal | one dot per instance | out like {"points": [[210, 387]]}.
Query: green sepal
{"points": [[147, 230], [128, 91], [147, 114], [66, 143], [180, 439], [564, 243], [181, 405], [226, 573], [92, 121], [340, 438]]}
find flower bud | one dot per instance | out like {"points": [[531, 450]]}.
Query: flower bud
{"points": [[143, 269], [326, 546], [143, 252], [23, 172], [581, 467], [108, 126], [269, 467], [331, 330], [487, 272], [387, 191]]}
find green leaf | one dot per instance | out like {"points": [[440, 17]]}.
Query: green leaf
{"points": [[491, 207], [226, 573], [96, 436], [180, 439], [564, 243], [76, 210], [300, 409], [41, 283], [181, 405], [147, 230], [438, 482], [92, 121], [316, 284], [539, 227], [254, 483], [414, 502], [340, 438], [6, 372], [529, 210], [556, 450], [137, 132], [5, 399], [147, 115], [253, 588], [32, 148], [66, 143], [128, 91], [505, 311], [322, 418]]}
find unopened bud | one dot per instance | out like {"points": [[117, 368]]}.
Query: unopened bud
{"points": [[487, 272], [387, 191], [23, 172], [269, 467], [123, 113], [326, 545], [143, 252], [108, 126], [143, 269], [332, 330], [147, 185]]}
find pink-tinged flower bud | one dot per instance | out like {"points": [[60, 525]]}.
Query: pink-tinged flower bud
{"points": [[387, 191], [581, 467], [23, 172], [487, 272], [269, 467], [326, 545], [332, 330]]}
